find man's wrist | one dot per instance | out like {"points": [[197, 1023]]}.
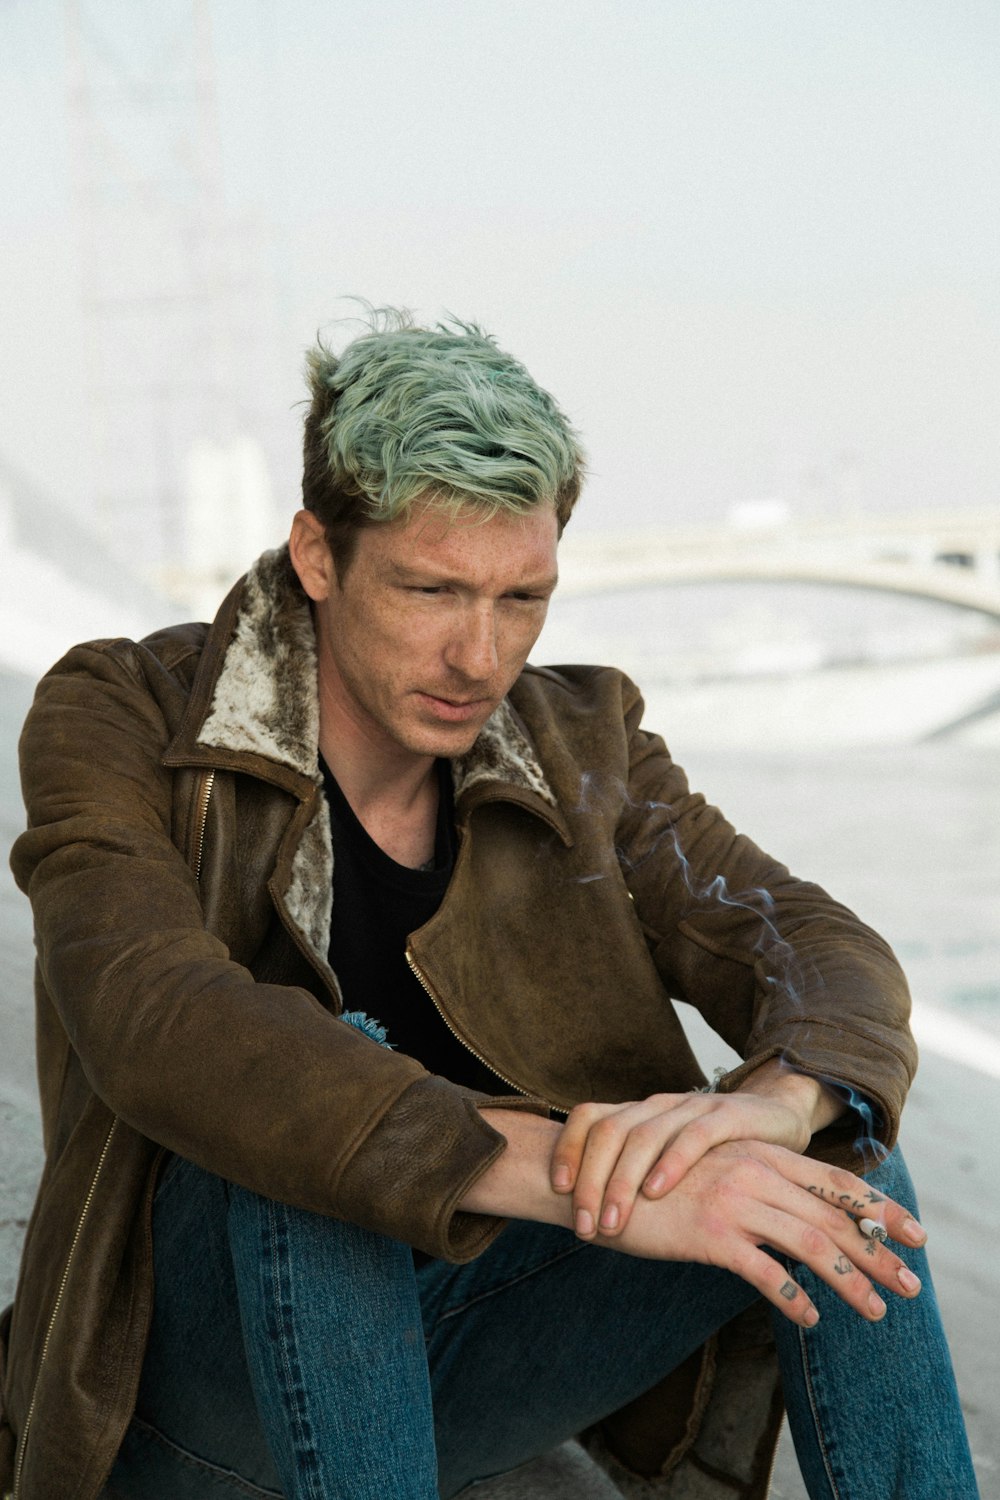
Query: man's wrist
{"points": [[816, 1103], [516, 1184]]}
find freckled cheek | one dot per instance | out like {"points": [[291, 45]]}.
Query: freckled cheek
{"points": [[415, 659], [514, 646]]}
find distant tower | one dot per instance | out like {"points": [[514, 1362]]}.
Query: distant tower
{"points": [[155, 286]]}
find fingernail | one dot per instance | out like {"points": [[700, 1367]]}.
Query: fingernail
{"points": [[609, 1218], [875, 1305], [584, 1223], [810, 1317], [907, 1280], [914, 1231], [656, 1182], [560, 1177]]}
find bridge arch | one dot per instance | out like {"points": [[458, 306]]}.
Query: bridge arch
{"points": [[940, 584]]}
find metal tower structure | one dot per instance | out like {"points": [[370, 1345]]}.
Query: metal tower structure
{"points": [[154, 284]]}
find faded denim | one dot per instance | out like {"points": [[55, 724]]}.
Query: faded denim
{"points": [[293, 1355]]}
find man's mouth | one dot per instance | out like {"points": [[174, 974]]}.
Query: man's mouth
{"points": [[455, 710]]}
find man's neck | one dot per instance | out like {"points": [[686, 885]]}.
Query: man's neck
{"points": [[392, 792]]}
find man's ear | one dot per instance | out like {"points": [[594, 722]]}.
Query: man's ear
{"points": [[311, 555]]}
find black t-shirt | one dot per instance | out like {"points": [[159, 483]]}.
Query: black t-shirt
{"points": [[377, 903]]}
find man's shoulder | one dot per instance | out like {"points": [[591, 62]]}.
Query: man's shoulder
{"points": [[588, 713], [574, 686], [174, 650], [174, 645]]}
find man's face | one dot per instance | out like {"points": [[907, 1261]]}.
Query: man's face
{"points": [[431, 623]]}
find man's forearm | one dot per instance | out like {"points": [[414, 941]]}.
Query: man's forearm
{"points": [[517, 1185]]}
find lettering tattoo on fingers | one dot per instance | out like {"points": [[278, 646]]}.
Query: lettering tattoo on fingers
{"points": [[789, 1291], [845, 1200]]}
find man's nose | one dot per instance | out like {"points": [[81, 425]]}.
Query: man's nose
{"points": [[473, 648]]}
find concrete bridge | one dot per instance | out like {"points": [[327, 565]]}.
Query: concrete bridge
{"points": [[950, 557]]}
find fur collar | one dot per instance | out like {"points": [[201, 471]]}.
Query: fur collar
{"points": [[266, 698]]}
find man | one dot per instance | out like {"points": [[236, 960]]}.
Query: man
{"points": [[267, 1255]]}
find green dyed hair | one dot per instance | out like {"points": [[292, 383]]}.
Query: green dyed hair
{"points": [[407, 414]]}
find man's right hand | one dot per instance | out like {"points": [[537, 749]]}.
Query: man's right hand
{"points": [[738, 1197]]}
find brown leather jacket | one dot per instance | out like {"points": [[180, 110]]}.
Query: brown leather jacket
{"points": [[178, 862]]}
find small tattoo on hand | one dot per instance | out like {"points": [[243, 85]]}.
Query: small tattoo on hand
{"points": [[875, 1198], [789, 1291], [843, 1266]]}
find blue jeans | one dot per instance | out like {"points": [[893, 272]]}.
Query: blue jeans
{"points": [[297, 1356]]}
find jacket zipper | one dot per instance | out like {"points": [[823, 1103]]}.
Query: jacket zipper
{"points": [[769, 1479], [425, 985], [58, 1302], [201, 821]]}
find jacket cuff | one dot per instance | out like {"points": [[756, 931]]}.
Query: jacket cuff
{"points": [[413, 1169], [868, 1130]]}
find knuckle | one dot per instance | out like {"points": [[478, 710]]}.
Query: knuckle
{"points": [[619, 1190], [581, 1116], [647, 1131], [846, 1189], [749, 1173], [776, 1279], [832, 1219], [814, 1242], [843, 1181], [606, 1130]]}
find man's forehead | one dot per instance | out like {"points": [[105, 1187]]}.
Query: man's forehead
{"points": [[434, 534]]}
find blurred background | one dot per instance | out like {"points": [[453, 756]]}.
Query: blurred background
{"points": [[752, 249]]}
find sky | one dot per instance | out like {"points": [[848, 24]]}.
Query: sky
{"points": [[751, 247]]}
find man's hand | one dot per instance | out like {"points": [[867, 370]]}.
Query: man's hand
{"points": [[737, 1197], [741, 1196], [607, 1154]]}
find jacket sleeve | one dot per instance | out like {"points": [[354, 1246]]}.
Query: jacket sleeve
{"points": [[774, 964], [256, 1082]]}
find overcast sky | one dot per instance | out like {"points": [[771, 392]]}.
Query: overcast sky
{"points": [[751, 247]]}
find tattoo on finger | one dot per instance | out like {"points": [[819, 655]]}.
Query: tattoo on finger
{"points": [[843, 1266], [846, 1201], [789, 1291]]}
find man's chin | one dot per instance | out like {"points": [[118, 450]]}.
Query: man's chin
{"points": [[448, 741]]}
